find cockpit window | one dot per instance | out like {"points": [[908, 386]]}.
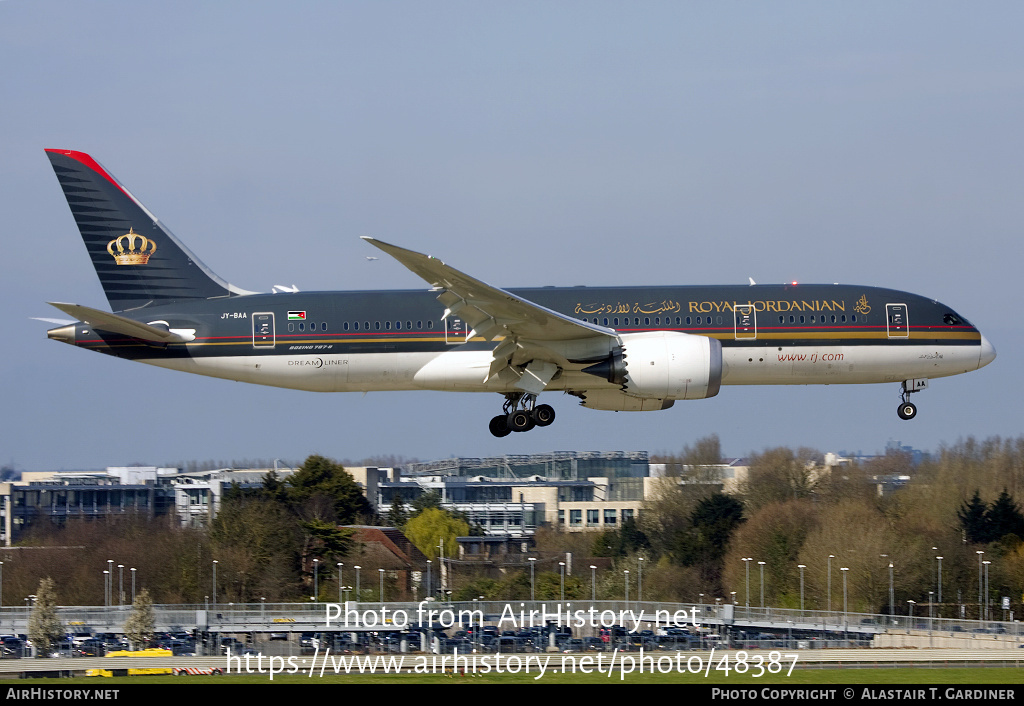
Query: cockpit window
{"points": [[952, 319]]}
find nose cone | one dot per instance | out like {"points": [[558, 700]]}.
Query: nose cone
{"points": [[988, 352]]}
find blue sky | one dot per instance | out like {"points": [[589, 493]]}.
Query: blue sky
{"points": [[526, 143]]}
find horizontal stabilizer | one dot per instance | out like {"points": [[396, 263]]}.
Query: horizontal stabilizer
{"points": [[106, 321]]}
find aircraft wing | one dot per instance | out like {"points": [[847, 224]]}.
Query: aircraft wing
{"points": [[105, 321], [531, 333], [491, 311]]}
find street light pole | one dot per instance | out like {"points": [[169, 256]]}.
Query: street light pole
{"points": [[215, 562], [846, 614], [892, 595], [986, 563], [979, 553], [357, 583], [533, 561], [625, 575], [761, 564], [561, 580], [938, 583], [746, 564], [830, 558], [593, 583], [316, 580], [801, 567], [340, 564]]}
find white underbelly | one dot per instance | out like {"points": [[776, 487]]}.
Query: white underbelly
{"points": [[834, 365]]}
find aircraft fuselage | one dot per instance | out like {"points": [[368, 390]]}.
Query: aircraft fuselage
{"points": [[398, 340]]}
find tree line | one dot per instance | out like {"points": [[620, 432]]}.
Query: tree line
{"points": [[283, 540], [792, 510]]}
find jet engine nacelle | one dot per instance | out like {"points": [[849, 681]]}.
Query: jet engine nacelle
{"points": [[663, 366]]}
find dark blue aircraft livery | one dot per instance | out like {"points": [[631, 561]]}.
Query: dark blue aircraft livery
{"points": [[622, 349]]}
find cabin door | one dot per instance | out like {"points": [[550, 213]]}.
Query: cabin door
{"points": [[263, 334], [455, 331], [745, 321], [896, 321]]}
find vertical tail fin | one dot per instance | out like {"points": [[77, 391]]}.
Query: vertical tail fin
{"points": [[138, 261]]}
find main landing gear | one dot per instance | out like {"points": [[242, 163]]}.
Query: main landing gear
{"points": [[907, 409], [521, 413]]}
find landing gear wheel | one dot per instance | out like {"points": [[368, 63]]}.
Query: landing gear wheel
{"points": [[521, 413], [907, 410], [520, 420], [499, 426], [543, 415]]}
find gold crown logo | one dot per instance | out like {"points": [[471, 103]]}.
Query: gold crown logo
{"points": [[133, 255]]}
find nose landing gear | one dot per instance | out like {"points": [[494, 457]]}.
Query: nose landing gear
{"points": [[521, 413], [907, 409]]}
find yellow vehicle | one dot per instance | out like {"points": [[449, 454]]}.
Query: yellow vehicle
{"points": [[144, 671], [133, 671]]}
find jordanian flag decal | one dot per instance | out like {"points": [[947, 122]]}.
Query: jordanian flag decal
{"points": [[296, 316]]}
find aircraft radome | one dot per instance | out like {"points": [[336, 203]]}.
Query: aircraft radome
{"points": [[621, 348]]}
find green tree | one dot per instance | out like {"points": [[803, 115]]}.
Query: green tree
{"points": [[549, 586], [274, 488], [431, 498], [398, 515], [490, 589], [427, 530], [1004, 518], [321, 477], [141, 623], [617, 543], [712, 524], [973, 520], [45, 628]]}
